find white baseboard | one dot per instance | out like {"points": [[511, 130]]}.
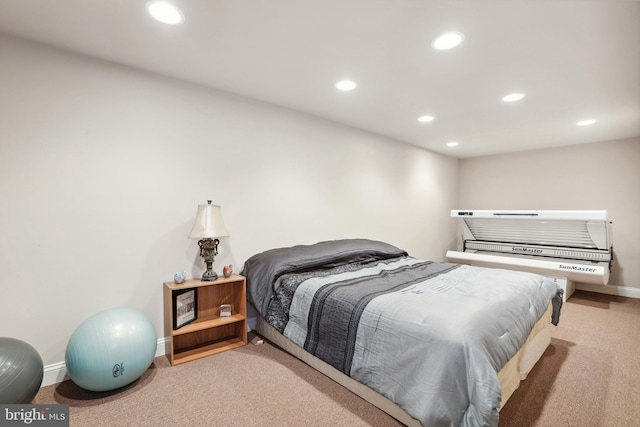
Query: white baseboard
{"points": [[57, 372], [623, 291], [54, 373]]}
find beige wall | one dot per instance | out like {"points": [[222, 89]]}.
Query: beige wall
{"points": [[603, 175], [102, 168]]}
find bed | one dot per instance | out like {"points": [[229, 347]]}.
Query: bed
{"points": [[430, 343]]}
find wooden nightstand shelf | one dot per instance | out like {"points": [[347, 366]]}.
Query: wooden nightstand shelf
{"points": [[209, 333]]}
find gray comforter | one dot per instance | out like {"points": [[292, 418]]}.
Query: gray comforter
{"points": [[429, 336]]}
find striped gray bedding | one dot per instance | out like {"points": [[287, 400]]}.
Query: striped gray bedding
{"points": [[429, 336]]}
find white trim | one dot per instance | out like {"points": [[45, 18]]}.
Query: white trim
{"points": [[623, 291], [54, 373], [57, 372]]}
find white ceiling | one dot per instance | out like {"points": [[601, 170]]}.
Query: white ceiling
{"points": [[574, 59]]}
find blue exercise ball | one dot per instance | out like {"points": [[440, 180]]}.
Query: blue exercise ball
{"points": [[111, 349], [21, 371]]}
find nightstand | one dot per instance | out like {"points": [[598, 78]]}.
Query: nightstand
{"points": [[209, 333]]}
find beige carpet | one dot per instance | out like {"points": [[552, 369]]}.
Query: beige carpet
{"points": [[589, 376]]}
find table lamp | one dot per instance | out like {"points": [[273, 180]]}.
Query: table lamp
{"points": [[207, 227]]}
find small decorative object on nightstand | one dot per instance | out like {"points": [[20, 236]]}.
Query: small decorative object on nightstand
{"points": [[180, 277], [227, 270], [207, 227]]}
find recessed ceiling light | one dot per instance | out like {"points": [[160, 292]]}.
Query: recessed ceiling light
{"points": [[586, 122], [452, 144], [425, 119], [346, 85], [513, 97], [447, 41], [165, 12]]}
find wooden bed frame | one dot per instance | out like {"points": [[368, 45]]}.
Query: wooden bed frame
{"points": [[514, 371]]}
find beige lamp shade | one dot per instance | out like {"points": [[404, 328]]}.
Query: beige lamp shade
{"points": [[208, 223]]}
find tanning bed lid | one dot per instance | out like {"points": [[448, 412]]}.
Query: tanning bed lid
{"points": [[585, 229]]}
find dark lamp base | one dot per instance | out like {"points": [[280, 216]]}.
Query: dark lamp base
{"points": [[209, 276]]}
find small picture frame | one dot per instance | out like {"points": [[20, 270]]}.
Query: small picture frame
{"points": [[225, 310], [185, 307]]}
